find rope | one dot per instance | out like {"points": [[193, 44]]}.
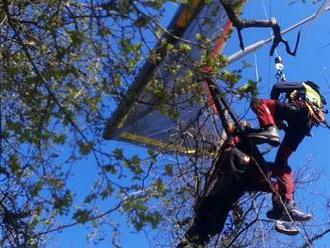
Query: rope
{"points": [[270, 33], [256, 66], [260, 223], [305, 237], [280, 76], [267, 17]]}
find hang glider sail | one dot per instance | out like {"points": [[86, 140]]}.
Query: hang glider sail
{"points": [[137, 120]]}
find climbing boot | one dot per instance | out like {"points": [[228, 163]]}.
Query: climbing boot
{"points": [[295, 213], [286, 227], [274, 214], [267, 135], [277, 211], [291, 212]]}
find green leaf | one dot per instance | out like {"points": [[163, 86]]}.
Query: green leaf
{"points": [[169, 170], [154, 219], [185, 48], [107, 192], [59, 139], [76, 37], [142, 21], [249, 88], [62, 203], [134, 164], [36, 188], [118, 153], [90, 198], [86, 148], [82, 216], [14, 165], [110, 168], [136, 160], [159, 187]]}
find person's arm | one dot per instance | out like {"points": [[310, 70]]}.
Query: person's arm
{"points": [[279, 88]]}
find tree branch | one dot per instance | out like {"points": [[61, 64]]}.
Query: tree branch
{"points": [[95, 217], [271, 23]]}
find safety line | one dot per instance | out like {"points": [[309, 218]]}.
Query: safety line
{"points": [[256, 66], [267, 17]]}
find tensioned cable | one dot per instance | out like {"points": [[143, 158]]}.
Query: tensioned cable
{"points": [[270, 33], [267, 17], [256, 66], [260, 224]]}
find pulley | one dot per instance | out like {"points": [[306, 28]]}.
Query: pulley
{"points": [[280, 76]]}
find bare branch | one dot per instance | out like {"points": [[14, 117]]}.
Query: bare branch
{"points": [[271, 23]]}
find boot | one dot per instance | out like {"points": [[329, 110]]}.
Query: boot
{"points": [[266, 135], [286, 227], [280, 213], [282, 224], [296, 214], [276, 212]]}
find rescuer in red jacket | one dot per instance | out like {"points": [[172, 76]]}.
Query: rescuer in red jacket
{"points": [[302, 110]]}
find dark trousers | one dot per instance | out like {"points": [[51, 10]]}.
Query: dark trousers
{"points": [[233, 177]]}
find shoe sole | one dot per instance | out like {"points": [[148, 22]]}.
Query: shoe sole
{"points": [[280, 217], [259, 140]]}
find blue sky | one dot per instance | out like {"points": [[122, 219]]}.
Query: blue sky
{"points": [[311, 63]]}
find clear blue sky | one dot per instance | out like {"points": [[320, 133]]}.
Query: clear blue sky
{"points": [[311, 63]]}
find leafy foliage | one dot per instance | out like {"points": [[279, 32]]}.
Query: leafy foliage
{"points": [[64, 66]]}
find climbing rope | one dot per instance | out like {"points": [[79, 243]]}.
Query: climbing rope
{"points": [[256, 66]]}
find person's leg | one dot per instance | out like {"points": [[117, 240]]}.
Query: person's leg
{"points": [[286, 188], [211, 212], [284, 173], [269, 112], [265, 110]]}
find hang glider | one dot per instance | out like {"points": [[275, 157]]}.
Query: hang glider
{"points": [[137, 120]]}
